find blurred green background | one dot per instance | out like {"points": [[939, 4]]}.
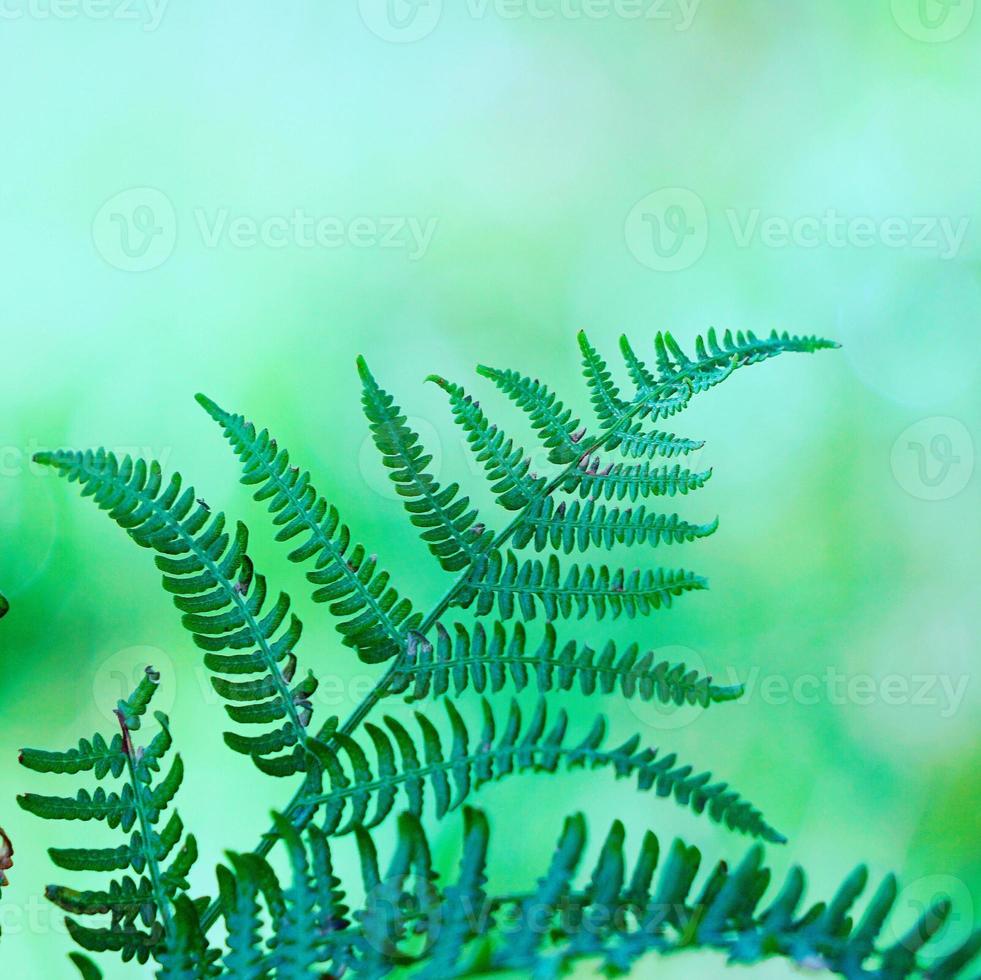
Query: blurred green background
{"points": [[239, 198]]}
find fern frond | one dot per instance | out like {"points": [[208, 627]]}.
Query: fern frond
{"points": [[503, 582], [4, 605], [373, 615], [576, 527], [223, 600], [637, 443], [490, 660], [141, 911], [450, 526], [86, 968], [353, 787], [302, 920], [630, 907], [623, 481], [608, 406], [559, 431], [508, 466], [713, 363], [619, 922], [188, 956]]}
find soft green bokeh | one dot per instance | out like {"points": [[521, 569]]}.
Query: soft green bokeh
{"points": [[528, 141]]}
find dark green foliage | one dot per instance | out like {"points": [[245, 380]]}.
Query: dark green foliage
{"points": [[223, 600], [631, 905], [373, 618], [358, 772], [141, 910], [4, 606], [450, 526], [513, 586], [576, 527], [426, 764], [86, 968], [490, 659]]}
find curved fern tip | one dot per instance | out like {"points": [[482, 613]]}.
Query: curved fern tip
{"points": [[44, 458], [363, 371], [210, 406]]}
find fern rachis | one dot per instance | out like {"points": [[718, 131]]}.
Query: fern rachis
{"points": [[357, 773]]}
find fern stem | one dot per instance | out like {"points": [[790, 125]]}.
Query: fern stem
{"points": [[299, 813], [147, 832]]}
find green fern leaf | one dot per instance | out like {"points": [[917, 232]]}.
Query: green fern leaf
{"points": [[576, 527], [451, 775], [188, 956], [620, 481], [490, 660], [559, 430], [508, 466], [141, 911], [712, 364], [86, 968], [609, 407], [450, 526], [509, 585], [627, 910], [373, 615], [222, 598], [638, 443]]}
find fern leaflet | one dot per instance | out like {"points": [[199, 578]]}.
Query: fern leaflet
{"points": [[142, 918]]}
